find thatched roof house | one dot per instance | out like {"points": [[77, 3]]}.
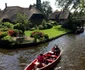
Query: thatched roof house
{"points": [[10, 13], [54, 15], [64, 15], [60, 15]]}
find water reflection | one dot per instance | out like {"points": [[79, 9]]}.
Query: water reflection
{"points": [[73, 56]]}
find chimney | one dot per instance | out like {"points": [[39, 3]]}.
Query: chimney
{"points": [[5, 5], [30, 7]]}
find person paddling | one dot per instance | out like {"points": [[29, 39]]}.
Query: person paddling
{"points": [[55, 50]]}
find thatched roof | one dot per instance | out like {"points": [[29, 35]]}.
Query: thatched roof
{"points": [[12, 11], [54, 15], [58, 15], [34, 11], [64, 14]]}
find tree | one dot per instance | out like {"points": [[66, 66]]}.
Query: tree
{"points": [[68, 3], [77, 15], [46, 8], [22, 18], [77, 5], [20, 26]]}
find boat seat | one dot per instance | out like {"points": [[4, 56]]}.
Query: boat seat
{"points": [[50, 60], [36, 63], [54, 56]]}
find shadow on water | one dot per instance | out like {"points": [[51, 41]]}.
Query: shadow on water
{"points": [[73, 56]]}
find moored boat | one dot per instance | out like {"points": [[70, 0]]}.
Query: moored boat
{"points": [[79, 30], [52, 61]]}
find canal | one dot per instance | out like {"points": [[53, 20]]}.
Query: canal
{"points": [[72, 47]]}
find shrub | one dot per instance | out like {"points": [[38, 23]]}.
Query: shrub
{"points": [[7, 24], [39, 34], [20, 26], [3, 34], [29, 26], [41, 27], [44, 22], [7, 38], [45, 26], [35, 37], [49, 26], [12, 33], [55, 23], [46, 36], [36, 27], [31, 29], [4, 29]]}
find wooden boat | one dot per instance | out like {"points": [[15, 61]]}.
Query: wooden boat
{"points": [[79, 30], [52, 62]]}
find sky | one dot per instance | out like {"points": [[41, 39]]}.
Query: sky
{"points": [[24, 3]]}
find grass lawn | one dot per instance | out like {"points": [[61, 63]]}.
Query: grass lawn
{"points": [[53, 32]]}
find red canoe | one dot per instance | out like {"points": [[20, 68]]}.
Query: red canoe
{"points": [[52, 62]]}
